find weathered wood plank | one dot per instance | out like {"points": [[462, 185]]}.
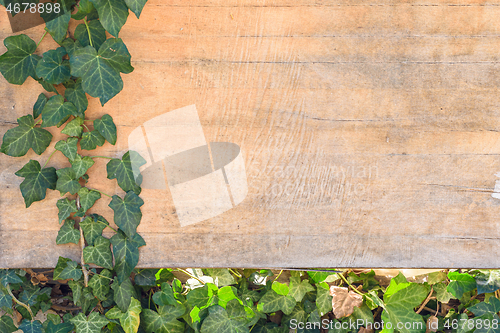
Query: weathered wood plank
{"points": [[369, 133]]}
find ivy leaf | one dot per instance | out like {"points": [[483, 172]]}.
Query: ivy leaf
{"points": [[272, 302], [280, 288], [136, 6], [67, 181], [66, 207], [90, 140], [99, 253], [112, 13], [123, 293], [399, 308], [298, 289], [460, 284], [84, 8], [165, 296], [127, 212], [52, 68], [88, 198], [344, 301], [200, 297], [124, 171], [91, 324], [221, 277], [36, 181], [5, 301], [488, 282], [68, 233], [59, 328], [67, 269], [117, 56], [74, 127], [76, 95], [145, 277], [163, 321], [71, 45], [57, 111], [106, 127], [129, 319], [82, 296], [126, 252], [18, 140], [6, 323], [57, 27], [218, 320], [31, 327], [93, 227], [96, 31], [99, 77], [18, 62], [39, 105], [100, 284], [9, 276], [69, 148], [442, 295], [81, 164]]}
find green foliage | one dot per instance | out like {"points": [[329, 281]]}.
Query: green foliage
{"points": [[124, 171], [18, 140], [52, 68], [57, 111], [36, 181], [127, 212], [68, 233], [91, 324], [19, 61], [460, 284]]}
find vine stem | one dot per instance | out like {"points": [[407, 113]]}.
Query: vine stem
{"points": [[107, 225], [278, 275], [109, 158], [43, 36], [49, 159], [191, 275], [88, 31], [39, 120], [235, 273], [350, 285], [102, 193], [19, 302], [82, 239], [426, 301], [86, 127]]}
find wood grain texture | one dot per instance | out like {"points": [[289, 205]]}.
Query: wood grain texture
{"points": [[370, 133]]}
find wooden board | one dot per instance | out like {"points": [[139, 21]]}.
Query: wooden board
{"points": [[370, 133]]}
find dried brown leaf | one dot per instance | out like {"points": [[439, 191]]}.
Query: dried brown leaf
{"points": [[365, 330], [432, 324], [344, 301]]}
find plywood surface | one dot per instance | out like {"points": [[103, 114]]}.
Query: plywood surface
{"points": [[369, 131]]}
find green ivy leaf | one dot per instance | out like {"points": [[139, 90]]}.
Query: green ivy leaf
{"points": [[5, 301], [93, 227], [68, 233], [100, 284], [127, 212], [36, 181], [442, 295], [136, 6], [298, 289], [117, 56], [57, 111], [69, 148], [71, 45], [6, 323], [82, 296], [460, 284], [106, 127], [99, 253], [76, 95], [112, 13], [99, 76], [85, 7], [9, 276], [67, 269], [18, 140], [39, 105], [165, 296], [67, 181], [123, 293], [52, 68], [488, 282], [272, 302], [145, 277], [200, 297], [90, 140], [399, 308], [280, 288], [18, 62], [163, 321], [96, 31], [218, 320], [74, 127], [81, 164], [221, 277], [66, 207], [126, 170], [31, 327], [126, 252], [59, 328], [58, 27], [130, 318], [91, 324], [88, 198], [492, 306]]}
